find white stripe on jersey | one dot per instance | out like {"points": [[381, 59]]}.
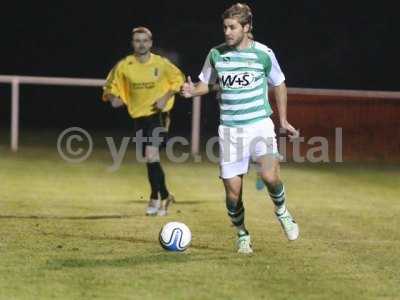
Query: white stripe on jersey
{"points": [[240, 55], [258, 92], [236, 64], [241, 117], [256, 103]]}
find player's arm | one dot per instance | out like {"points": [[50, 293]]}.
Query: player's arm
{"points": [[276, 78], [190, 89], [280, 92], [207, 83], [112, 87], [175, 78], [162, 101], [114, 100]]}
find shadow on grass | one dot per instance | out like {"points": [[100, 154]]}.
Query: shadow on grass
{"points": [[53, 217], [178, 202], [134, 240], [156, 258]]}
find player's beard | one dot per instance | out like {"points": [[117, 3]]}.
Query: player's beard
{"points": [[235, 42]]}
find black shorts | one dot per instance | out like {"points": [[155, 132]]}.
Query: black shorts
{"points": [[152, 127]]}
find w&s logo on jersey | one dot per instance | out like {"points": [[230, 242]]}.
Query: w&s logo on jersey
{"points": [[238, 80]]}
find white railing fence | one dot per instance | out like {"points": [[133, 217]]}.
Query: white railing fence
{"points": [[16, 81]]}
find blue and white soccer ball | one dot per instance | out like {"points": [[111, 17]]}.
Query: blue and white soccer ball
{"points": [[175, 236]]}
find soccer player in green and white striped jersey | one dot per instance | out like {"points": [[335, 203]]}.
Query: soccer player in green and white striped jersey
{"points": [[244, 68]]}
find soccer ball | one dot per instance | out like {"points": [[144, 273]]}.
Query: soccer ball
{"points": [[175, 236]]}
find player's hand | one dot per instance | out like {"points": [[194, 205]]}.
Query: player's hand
{"points": [[293, 133], [188, 88], [160, 104], [116, 102]]}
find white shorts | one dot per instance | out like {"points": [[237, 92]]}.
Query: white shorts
{"points": [[239, 145]]}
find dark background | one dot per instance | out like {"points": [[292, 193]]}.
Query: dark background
{"points": [[346, 45]]}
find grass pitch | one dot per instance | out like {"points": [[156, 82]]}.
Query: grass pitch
{"points": [[79, 232]]}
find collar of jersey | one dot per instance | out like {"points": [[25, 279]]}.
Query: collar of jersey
{"points": [[135, 60], [251, 46]]}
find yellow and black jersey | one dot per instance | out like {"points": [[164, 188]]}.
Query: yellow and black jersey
{"points": [[140, 85]]}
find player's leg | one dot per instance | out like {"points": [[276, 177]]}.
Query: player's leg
{"points": [[269, 170], [234, 203], [157, 178], [265, 152], [142, 128], [151, 155], [234, 162], [236, 212], [158, 128]]}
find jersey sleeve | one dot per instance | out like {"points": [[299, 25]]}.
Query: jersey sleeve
{"points": [[115, 83], [174, 76], [275, 75], [208, 74]]}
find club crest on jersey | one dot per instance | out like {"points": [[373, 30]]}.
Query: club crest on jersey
{"points": [[238, 80]]}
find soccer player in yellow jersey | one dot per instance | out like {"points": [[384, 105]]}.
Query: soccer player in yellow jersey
{"points": [[146, 84]]}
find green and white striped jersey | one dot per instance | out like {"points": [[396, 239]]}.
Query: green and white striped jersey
{"points": [[243, 76]]}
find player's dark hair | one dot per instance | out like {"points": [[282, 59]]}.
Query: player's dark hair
{"points": [[242, 13], [142, 29]]}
